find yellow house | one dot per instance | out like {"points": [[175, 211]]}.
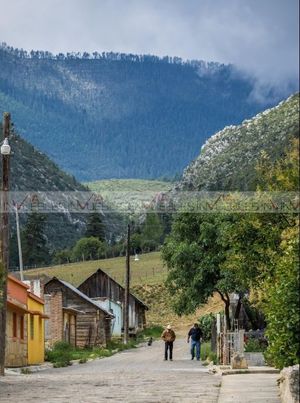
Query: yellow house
{"points": [[36, 326]]}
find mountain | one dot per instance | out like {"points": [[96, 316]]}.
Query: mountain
{"points": [[114, 115], [32, 171], [228, 158]]}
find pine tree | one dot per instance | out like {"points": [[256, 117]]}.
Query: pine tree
{"points": [[95, 227], [34, 242]]}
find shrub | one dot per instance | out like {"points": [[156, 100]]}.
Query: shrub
{"points": [[60, 355], [205, 323], [282, 306], [154, 331], [254, 346]]}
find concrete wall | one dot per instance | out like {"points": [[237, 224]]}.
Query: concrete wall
{"points": [[289, 384], [16, 347]]}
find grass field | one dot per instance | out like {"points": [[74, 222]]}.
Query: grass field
{"points": [[148, 276], [124, 194], [148, 270]]}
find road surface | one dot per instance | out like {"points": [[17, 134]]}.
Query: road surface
{"points": [[137, 375]]}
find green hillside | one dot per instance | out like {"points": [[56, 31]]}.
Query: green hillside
{"points": [[119, 193], [228, 159], [149, 269], [114, 115], [147, 282]]}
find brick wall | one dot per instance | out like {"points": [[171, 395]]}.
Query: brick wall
{"points": [[54, 306]]}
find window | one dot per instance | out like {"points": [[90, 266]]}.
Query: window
{"points": [[31, 327], [14, 324], [22, 327]]}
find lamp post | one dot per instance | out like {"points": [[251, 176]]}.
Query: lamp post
{"points": [[4, 236], [19, 243], [127, 287]]}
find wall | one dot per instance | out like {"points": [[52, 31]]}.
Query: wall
{"points": [[16, 347], [116, 310], [36, 341], [54, 327]]}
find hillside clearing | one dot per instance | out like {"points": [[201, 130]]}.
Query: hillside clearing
{"points": [[147, 282]]}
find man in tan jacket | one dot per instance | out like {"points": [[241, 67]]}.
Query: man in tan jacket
{"points": [[168, 337]]}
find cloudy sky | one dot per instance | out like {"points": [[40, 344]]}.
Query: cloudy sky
{"points": [[259, 36]]}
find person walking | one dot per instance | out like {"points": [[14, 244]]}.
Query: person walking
{"points": [[168, 336], [195, 333]]}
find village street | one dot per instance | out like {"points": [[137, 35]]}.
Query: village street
{"points": [[138, 375]]}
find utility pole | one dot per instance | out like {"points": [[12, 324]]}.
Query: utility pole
{"points": [[127, 286], [4, 237], [19, 244]]}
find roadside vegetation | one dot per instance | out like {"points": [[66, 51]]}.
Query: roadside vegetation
{"points": [[62, 354], [246, 254]]}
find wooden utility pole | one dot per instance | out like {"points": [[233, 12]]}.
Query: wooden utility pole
{"points": [[4, 238], [127, 287]]}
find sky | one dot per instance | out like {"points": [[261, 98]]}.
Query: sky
{"points": [[260, 37]]}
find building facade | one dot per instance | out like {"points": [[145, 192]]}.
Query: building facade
{"points": [[16, 349], [36, 329], [74, 317], [100, 284]]}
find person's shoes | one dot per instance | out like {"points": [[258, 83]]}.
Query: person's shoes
{"points": [[192, 358], [198, 359]]}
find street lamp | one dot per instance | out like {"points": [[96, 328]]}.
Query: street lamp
{"points": [[5, 148]]}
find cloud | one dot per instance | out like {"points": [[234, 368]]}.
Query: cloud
{"points": [[258, 36]]}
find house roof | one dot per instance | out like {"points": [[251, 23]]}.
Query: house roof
{"points": [[15, 280], [101, 271], [80, 294]]}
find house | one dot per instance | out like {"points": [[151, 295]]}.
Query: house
{"points": [[114, 308], [74, 317], [16, 349], [36, 329], [100, 284]]}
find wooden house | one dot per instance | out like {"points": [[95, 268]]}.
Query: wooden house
{"points": [[100, 284], [74, 317]]}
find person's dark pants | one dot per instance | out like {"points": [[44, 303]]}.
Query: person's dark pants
{"points": [[169, 346]]}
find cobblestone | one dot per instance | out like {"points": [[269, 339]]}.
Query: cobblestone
{"points": [[134, 376]]}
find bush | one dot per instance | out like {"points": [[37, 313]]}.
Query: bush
{"points": [[255, 346], [282, 305], [87, 249], [60, 355], [205, 323], [153, 331]]}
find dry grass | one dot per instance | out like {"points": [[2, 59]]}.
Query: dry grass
{"points": [[147, 282], [148, 270]]}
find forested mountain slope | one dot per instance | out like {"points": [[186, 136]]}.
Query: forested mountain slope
{"points": [[228, 159], [120, 116], [32, 171]]}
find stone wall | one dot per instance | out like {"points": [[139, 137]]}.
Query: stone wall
{"points": [[289, 384]]}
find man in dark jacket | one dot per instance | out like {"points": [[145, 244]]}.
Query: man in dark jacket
{"points": [[195, 334]]}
